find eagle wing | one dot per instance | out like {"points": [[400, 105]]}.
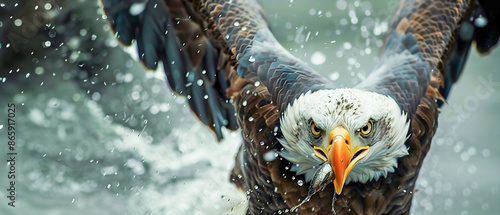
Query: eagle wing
{"points": [[171, 33], [210, 51], [426, 48]]}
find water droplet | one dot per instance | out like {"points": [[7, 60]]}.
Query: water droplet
{"points": [[270, 155], [251, 59], [472, 151], [300, 182], [480, 22], [318, 58], [236, 23], [334, 76], [18, 22], [47, 44], [341, 5], [458, 147], [464, 156], [351, 61], [256, 187], [347, 46], [137, 8], [96, 96], [250, 119], [472, 169], [486, 153], [244, 103], [47, 6], [199, 82], [312, 11]]}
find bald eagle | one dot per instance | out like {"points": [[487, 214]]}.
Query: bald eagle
{"points": [[357, 150]]}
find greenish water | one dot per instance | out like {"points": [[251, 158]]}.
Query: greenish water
{"points": [[87, 146]]}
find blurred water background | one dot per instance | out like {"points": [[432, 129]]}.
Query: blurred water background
{"points": [[99, 135]]}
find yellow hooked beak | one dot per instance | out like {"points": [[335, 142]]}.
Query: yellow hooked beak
{"points": [[340, 155]]}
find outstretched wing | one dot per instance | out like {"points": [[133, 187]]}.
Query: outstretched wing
{"points": [[415, 44], [240, 27], [427, 46], [201, 43], [170, 32], [417, 38], [482, 27]]}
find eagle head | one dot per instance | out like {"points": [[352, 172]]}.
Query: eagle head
{"points": [[343, 135]]}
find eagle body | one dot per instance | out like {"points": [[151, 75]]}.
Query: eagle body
{"points": [[309, 147]]}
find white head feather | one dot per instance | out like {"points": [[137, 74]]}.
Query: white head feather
{"points": [[351, 109]]}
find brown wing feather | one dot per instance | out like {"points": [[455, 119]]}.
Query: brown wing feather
{"points": [[241, 28], [172, 32]]}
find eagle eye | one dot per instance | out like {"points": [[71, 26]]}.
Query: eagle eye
{"points": [[367, 129], [315, 130]]}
